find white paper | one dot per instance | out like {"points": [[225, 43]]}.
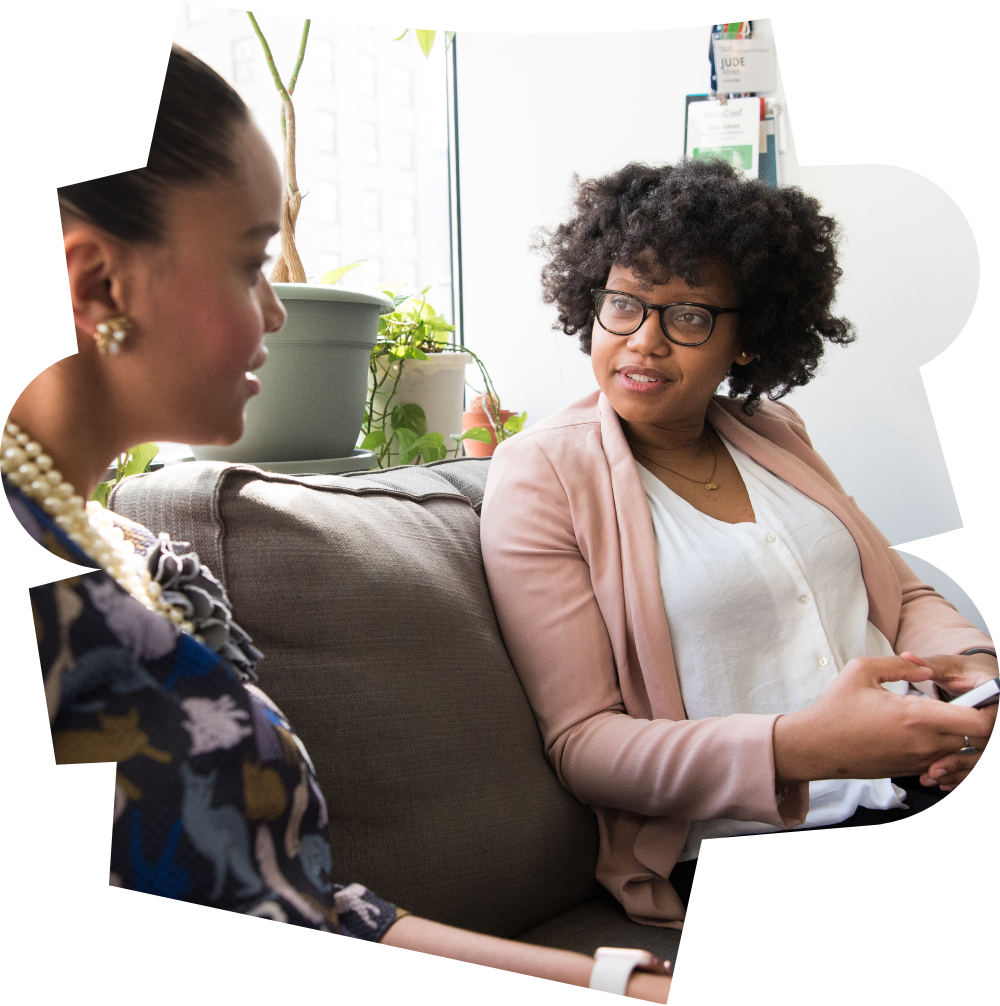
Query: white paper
{"points": [[744, 64], [728, 130]]}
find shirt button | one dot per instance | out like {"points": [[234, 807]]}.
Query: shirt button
{"points": [[822, 661], [803, 599], [771, 537]]}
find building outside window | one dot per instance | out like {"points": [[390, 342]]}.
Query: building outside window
{"points": [[327, 205], [359, 201], [371, 210], [407, 215], [198, 13], [364, 74], [368, 141], [244, 60], [402, 85], [326, 132], [404, 151]]}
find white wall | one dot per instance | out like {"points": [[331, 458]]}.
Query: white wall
{"points": [[536, 109]]}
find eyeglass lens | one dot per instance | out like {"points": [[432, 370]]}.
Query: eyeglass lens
{"points": [[621, 314]]}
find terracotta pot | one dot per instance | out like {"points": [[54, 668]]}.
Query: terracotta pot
{"points": [[476, 448]]}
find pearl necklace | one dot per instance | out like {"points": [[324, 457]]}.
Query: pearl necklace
{"points": [[89, 526]]}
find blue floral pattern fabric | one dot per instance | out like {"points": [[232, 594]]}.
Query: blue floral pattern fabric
{"points": [[216, 801]]}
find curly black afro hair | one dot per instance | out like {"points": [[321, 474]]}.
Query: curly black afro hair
{"points": [[777, 245]]}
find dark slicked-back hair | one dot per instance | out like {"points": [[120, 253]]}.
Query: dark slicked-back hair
{"points": [[779, 248], [191, 144]]}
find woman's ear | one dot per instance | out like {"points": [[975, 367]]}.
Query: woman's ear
{"points": [[91, 262], [744, 358]]}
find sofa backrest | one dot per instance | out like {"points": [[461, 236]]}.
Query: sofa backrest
{"points": [[367, 595]]}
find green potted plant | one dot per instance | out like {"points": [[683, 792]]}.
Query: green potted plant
{"points": [[313, 395], [416, 387]]}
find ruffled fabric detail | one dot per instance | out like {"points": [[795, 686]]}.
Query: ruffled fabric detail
{"points": [[202, 599]]}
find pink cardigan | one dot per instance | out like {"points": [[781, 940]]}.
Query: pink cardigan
{"points": [[570, 556]]}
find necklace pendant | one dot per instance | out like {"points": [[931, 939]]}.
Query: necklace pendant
{"points": [[711, 485]]}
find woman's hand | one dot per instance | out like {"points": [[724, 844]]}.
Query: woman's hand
{"points": [[652, 988], [859, 730], [955, 675]]}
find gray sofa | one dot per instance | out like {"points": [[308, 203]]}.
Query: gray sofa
{"points": [[367, 595]]}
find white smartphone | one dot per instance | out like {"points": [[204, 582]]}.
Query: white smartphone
{"points": [[986, 694]]}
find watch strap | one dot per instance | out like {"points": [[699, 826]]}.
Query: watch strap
{"points": [[613, 966]]}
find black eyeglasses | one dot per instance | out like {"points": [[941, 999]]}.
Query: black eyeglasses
{"points": [[685, 324]]}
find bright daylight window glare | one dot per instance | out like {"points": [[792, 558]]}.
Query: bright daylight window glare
{"points": [[372, 140], [371, 144]]}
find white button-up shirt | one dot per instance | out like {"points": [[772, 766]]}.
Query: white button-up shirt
{"points": [[762, 618]]}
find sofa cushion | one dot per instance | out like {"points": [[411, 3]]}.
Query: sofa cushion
{"points": [[602, 922], [367, 595]]}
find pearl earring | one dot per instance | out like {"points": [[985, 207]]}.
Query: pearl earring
{"points": [[111, 334]]}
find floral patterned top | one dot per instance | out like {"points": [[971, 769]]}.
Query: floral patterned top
{"points": [[216, 801]]}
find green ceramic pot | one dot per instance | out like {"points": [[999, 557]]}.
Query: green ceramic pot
{"points": [[313, 386]]}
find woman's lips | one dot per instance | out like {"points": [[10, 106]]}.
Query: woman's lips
{"points": [[641, 379], [254, 381]]}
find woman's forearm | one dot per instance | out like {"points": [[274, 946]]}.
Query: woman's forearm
{"points": [[413, 933]]}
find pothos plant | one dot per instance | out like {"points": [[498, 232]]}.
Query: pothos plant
{"points": [[412, 332], [132, 462]]}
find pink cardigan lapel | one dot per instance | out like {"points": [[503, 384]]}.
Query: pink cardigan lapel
{"points": [[655, 677], [772, 441]]}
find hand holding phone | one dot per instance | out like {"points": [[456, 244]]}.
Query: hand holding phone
{"points": [[986, 694]]}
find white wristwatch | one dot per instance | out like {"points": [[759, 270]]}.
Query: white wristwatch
{"points": [[613, 966]]}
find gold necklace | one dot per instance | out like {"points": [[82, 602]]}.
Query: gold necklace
{"points": [[88, 525], [710, 484]]}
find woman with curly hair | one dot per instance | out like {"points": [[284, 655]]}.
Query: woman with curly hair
{"points": [[714, 638]]}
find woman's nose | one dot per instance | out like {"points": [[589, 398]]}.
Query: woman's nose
{"points": [[273, 310], [649, 339]]}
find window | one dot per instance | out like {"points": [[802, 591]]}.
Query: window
{"points": [[408, 274], [371, 145], [370, 205], [327, 202], [404, 151], [198, 13], [364, 74], [326, 132], [319, 59], [402, 86], [407, 216], [246, 52], [368, 137]]}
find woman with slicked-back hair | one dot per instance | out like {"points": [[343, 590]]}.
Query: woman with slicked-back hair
{"points": [[216, 801]]}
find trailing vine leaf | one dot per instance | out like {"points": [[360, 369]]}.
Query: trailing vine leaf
{"points": [[336, 275], [410, 417], [138, 459], [479, 433], [516, 423], [374, 439], [407, 438], [426, 40], [100, 494], [430, 446]]}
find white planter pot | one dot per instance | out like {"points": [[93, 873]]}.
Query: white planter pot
{"points": [[312, 388], [436, 384]]}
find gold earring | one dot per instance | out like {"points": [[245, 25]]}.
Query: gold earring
{"points": [[111, 334]]}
